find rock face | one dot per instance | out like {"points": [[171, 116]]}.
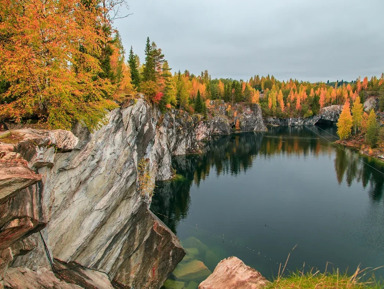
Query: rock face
{"points": [[251, 119], [329, 115], [371, 103], [78, 205], [20, 213], [233, 273]]}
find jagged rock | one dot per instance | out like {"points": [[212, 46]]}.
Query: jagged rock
{"points": [[14, 174], [22, 278], [233, 273], [62, 139], [77, 275], [20, 215], [148, 263], [371, 103], [19, 208]]}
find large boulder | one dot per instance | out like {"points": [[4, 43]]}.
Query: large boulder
{"points": [[233, 273]]}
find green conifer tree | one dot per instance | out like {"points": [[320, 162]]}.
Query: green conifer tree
{"points": [[135, 75], [371, 137], [149, 66], [198, 103]]}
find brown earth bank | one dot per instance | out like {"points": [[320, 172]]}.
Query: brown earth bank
{"points": [[358, 143]]}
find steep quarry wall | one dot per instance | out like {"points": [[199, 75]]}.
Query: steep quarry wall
{"points": [[74, 206], [327, 115]]}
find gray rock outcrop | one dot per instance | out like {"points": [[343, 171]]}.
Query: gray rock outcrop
{"points": [[329, 114], [371, 103], [251, 119], [93, 212]]}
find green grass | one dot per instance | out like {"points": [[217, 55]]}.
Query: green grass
{"points": [[317, 280]]}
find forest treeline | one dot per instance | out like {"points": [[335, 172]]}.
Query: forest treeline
{"points": [[62, 62], [291, 98]]}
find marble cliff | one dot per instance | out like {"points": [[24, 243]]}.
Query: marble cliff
{"points": [[74, 206]]}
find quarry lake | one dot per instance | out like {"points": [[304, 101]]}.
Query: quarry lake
{"points": [[263, 196]]}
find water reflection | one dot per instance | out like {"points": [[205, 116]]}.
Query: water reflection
{"points": [[236, 153], [298, 141], [351, 167]]}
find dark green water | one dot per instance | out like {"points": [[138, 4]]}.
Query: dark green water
{"points": [[261, 197]]}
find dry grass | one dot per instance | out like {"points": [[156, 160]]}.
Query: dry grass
{"points": [[314, 279], [360, 279], [319, 280]]}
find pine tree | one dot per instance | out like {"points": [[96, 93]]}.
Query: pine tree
{"points": [[198, 103], [182, 93], [344, 124], [357, 114], [149, 66], [170, 90], [371, 137], [135, 75]]}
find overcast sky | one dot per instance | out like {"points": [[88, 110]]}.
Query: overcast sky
{"points": [[314, 40]]}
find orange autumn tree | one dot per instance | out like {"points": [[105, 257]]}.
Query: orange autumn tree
{"points": [[49, 56]]}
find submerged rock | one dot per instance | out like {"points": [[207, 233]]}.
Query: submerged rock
{"points": [[233, 273], [192, 270], [172, 284]]}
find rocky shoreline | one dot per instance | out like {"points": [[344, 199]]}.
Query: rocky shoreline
{"points": [[328, 115]]}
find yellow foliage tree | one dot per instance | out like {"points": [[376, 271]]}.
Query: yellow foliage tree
{"points": [[357, 114], [49, 55], [345, 122]]}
